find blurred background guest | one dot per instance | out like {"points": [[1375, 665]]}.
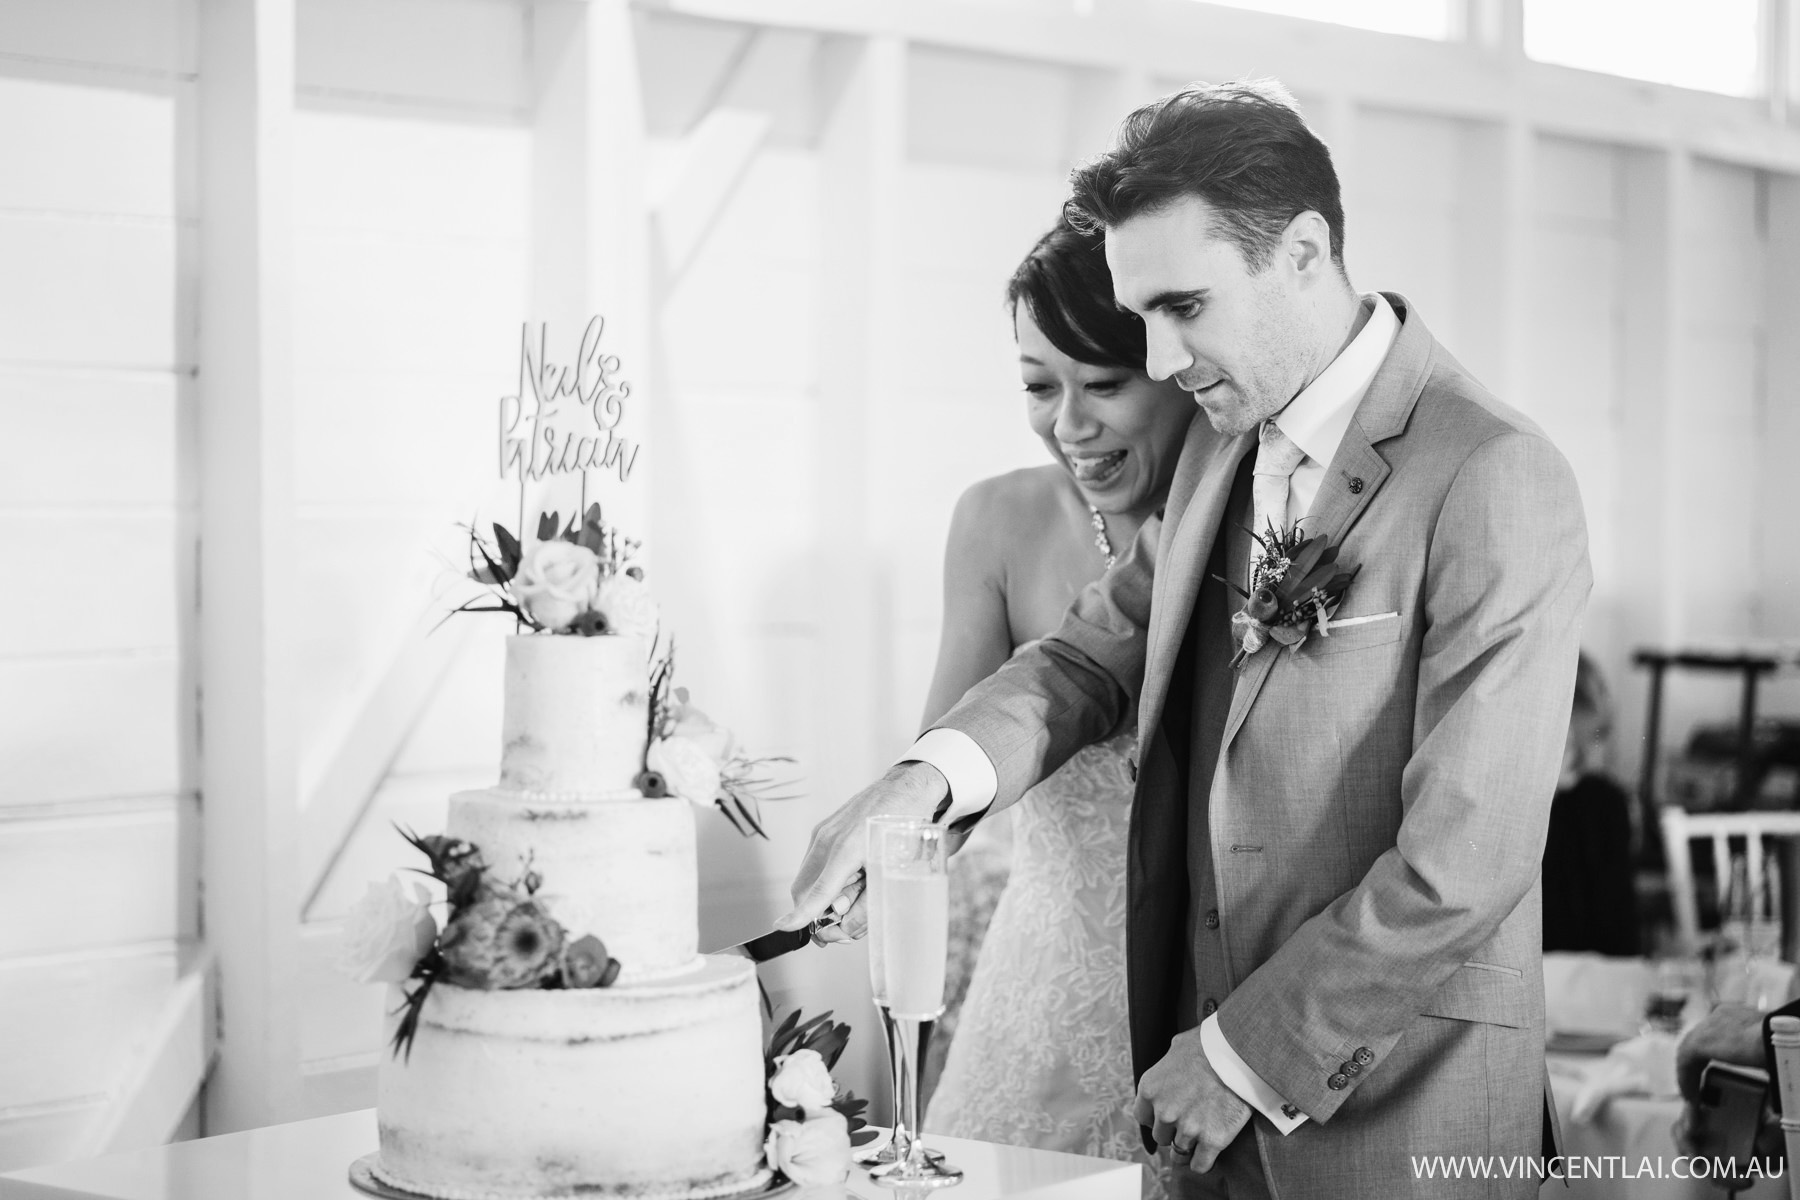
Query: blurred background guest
{"points": [[1589, 901]]}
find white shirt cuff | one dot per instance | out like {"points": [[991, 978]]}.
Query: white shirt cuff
{"points": [[1237, 1075], [963, 764]]}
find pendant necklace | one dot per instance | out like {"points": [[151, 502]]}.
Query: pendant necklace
{"points": [[1100, 539]]}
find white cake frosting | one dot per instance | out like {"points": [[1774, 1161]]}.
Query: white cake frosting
{"points": [[623, 872], [577, 716], [632, 1091], [650, 1088]]}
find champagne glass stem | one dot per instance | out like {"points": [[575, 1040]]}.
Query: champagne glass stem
{"points": [[915, 1039], [896, 1148]]}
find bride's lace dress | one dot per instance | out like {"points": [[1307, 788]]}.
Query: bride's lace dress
{"points": [[1042, 1051]]}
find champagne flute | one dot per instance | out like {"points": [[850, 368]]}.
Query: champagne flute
{"points": [[909, 919]]}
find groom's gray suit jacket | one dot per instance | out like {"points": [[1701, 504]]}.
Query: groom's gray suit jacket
{"points": [[1378, 811]]}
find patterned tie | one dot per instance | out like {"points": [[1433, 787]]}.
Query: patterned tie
{"points": [[1276, 458]]}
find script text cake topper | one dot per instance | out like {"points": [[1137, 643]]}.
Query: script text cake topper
{"points": [[564, 419]]}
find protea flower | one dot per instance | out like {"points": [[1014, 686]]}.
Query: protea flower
{"points": [[501, 942]]}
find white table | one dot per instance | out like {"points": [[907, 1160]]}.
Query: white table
{"points": [[1633, 1128], [310, 1160]]}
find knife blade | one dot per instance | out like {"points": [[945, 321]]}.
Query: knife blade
{"points": [[776, 942]]}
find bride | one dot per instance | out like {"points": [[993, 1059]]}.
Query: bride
{"points": [[1041, 1055]]}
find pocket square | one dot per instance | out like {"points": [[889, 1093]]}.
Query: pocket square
{"points": [[1326, 626]]}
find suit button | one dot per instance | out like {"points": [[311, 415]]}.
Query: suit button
{"points": [[1212, 918], [1338, 1083], [1209, 1008], [1351, 1068], [1364, 1055], [1289, 1111]]}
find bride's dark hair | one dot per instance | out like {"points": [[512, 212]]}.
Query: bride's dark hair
{"points": [[1065, 286]]}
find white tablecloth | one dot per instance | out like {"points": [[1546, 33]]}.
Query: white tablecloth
{"points": [[1629, 1129]]}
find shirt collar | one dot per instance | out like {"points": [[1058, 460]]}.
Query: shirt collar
{"points": [[1316, 419]]}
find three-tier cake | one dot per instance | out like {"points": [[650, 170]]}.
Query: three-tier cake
{"points": [[651, 1087]]}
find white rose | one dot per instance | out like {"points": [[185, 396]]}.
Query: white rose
{"points": [[813, 1151], [687, 768], [802, 1081], [629, 607], [716, 740], [387, 933], [556, 583]]}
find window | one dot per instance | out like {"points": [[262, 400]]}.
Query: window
{"points": [[1419, 18], [1711, 45]]}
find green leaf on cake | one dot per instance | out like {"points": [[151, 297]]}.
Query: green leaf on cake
{"points": [[511, 553]]}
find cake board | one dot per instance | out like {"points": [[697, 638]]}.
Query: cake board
{"points": [[364, 1179]]}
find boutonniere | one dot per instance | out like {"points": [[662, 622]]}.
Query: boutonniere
{"points": [[1294, 588]]}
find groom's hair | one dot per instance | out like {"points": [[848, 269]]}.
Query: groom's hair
{"points": [[1241, 147]]}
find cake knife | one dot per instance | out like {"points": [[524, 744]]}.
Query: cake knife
{"points": [[777, 942]]}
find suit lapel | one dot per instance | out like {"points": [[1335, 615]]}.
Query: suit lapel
{"points": [[1185, 550], [1356, 473]]}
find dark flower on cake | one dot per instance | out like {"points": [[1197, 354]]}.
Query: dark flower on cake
{"points": [[586, 964], [501, 942]]}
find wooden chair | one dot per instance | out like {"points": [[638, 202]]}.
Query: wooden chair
{"points": [[1680, 827]]}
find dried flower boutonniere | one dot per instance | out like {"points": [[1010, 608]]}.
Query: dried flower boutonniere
{"points": [[1294, 588]]}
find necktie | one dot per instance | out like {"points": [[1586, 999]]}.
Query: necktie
{"points": [[1276, 458]]}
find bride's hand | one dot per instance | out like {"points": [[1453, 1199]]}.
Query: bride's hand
{"points": [[834, 861]]}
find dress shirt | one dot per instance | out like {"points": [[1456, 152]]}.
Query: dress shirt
{"points": [[1315, 420]]}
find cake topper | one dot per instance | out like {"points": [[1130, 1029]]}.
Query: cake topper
{"points": [[565, 419]]}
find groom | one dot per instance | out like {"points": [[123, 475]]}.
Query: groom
{"points": [[1333, 918]]}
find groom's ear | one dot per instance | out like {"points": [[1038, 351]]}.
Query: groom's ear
{"points": [[1306, 243]]}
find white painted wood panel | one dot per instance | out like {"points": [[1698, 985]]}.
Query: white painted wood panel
{"points": [[87, 439], [114, 589], [86, 149], [52, 1134], [410, 176], [114, 876], [66, 1020], [78, 728], [139, 37], [373, 300], [460, 729], [984, 111], [462, 54], [95, 292]]}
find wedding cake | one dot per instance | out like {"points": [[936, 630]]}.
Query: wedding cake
{"points": [[643, 1078]]}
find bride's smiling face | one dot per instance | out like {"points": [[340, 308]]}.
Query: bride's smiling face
{"points": [[1117, 432]]}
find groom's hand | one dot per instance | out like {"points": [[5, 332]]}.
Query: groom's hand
{"points": [[835, 857], [1186, 1106]]}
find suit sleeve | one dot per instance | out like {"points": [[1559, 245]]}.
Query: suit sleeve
{"points": [[1068, 690], [1505, 587]]}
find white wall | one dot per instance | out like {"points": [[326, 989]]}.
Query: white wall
{"points": [[96, 514]]}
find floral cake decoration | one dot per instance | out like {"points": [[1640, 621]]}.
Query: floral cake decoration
{"points": [[581, 579], [495, 936]]}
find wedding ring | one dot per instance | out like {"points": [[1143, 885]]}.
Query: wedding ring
{"points": [[1182, 1151]]}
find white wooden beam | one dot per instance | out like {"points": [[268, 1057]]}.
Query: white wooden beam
{"points": [[861, 157], [160, 1081], [1494, 240], [687, 196], [1655, 193], [247, 630], [383, 716], [1780, 409], [590, 252], [1195, 40]]}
